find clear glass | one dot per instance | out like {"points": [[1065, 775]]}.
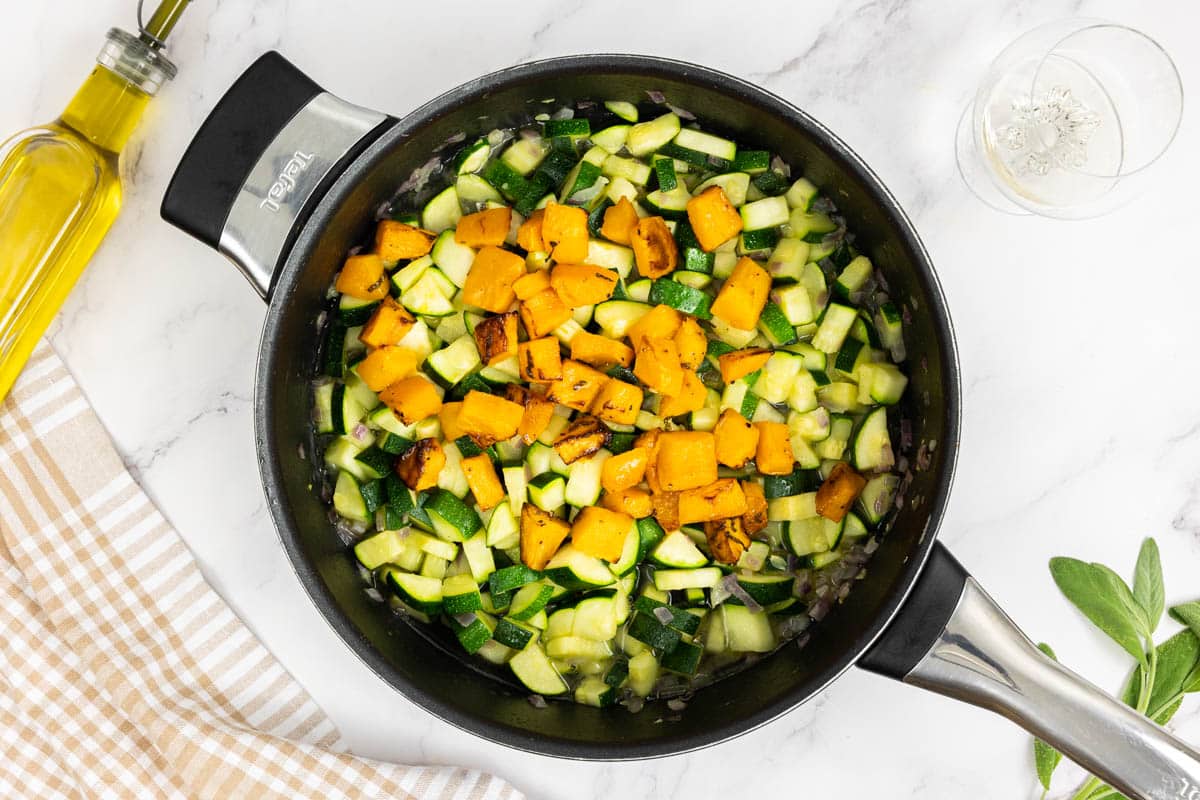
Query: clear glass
{"points": [[1069, 119]]}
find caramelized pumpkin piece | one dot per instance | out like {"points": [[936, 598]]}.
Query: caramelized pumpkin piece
{"points": [[487, 227], [713, 218], [691, 342], [773, 455], [543, 312], [542, 534], [727, 539], [625, 470], [657, 366], [362, 277], [740, 363], [686, 459], [388, 324], [420, 465], [755, 518], [736, 439], [539, 360], [585, 436], [532, 283], [396, 240], [619, 222], [496, 338], [741, 300], [538, 411], [565, 233], [489, 284], [618, 402], [489, 417], [691, 397], [413, 398], [632, 501], [582, 284], [600, 532], [448, 418], [666, 509], [839, 491], [578, 386], [600, 351], [717, 500], [384, 366], [654, 248], [649, 440], [482, 478], [529, 233], [660, 322]]}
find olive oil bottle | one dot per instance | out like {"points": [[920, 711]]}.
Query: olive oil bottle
{"points": [[60, 186]]}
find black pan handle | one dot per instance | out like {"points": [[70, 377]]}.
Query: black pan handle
{"points": [[951, 638], [266, 154]]}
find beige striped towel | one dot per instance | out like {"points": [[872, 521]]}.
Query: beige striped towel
{"points": [[122, 673]]}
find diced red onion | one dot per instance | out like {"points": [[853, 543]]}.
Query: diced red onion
{"points": [[883, 282], [905, 433], [781, 166], [301, 452], [802, 639], [718, 594], [563, 113], [682, 113], [465, 619], [420, 176], [345, 532], [675, 704], [752, 561], [663, 614], [902, 464], [906, 315], [730, 582], [823, 205], [793, 625], [361, 432], [871, 546], [843, 591], [801, 586], [820, 609], [656, 96], [923, 459], [583, 105], [321, 319], [537, 701], [457, 137], [634, 704]]}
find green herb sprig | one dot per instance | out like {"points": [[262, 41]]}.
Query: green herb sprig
{"points": [[1163, 673]]}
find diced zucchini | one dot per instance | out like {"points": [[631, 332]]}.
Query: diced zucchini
{"points": [[442, 212]]}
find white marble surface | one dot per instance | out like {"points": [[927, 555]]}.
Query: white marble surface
{"points": [[1082, 399]]}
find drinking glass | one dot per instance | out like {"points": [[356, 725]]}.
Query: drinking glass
{"points": [[1069, 119]]}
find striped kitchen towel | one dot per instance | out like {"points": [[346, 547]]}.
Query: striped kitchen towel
{"points": [[122, 673]]}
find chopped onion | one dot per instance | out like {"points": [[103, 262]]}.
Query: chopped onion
{"points": [[675, 704], [420, 176], [497, 137], [537, 701], [663, 614], [583, 105], [321, 319], [301, 452], [374, 594], [682, 113], [361, 432], [730, 582], [820, 609], [905, 433], [802, 640], [871, 546], [718, 594], [923, 459], [634, 704], [793, 625], [751, 562], [823, 205], [456, 138], [465, 620], [781, 166], [563, 113], [656, 96]]}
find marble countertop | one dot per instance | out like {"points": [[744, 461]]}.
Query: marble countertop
{"points": [[1081, 429]]}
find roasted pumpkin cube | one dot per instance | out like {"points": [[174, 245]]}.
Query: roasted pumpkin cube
{"points": [[736, 438], [686, 459], [540, 360], [490, 282], [692, 343], [582, 284], [538, 411], [618, 402], [601, 533], [384, 366], [565, 233], [483, 228], [660, 322], [496, 337], [665, 507], [529, 233], [657, 366], [740, 363], [649, 440], [532, 283], [717, 500], [448, 418], [578, 386], [396, 240], [388, 324], [363, 278], [482, 478], [654, 248], [542, 534], [741, 300], [727, 539], [755, 518], [489, 417], [420, 465], [413, 398], [839, 491], [600, 351], [543, 312], [691, 397], [713, 218], [620, 221], [625, 470], [585, 436], [773, 456], [632, 501]]}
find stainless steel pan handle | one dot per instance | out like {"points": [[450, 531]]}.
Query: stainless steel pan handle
{"points": [[976, 654]]}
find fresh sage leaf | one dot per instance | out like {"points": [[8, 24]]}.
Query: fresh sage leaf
{"points": [[1148, 583], [1045, 757], [1123, 594], [1177, 673], [1188, 614], [1164, 715], [1092, 589]]}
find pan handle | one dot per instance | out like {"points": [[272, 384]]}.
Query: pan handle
{"points": [[951, 638], [266, 154]]}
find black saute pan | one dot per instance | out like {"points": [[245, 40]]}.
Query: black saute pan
{"points": [[284, 178]]}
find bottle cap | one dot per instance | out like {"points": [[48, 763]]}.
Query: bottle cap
{"points": [[146, 67]]}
